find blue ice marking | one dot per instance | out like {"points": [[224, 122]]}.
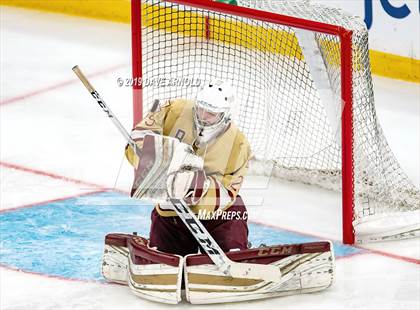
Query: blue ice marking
{"points": [[65, 238]]}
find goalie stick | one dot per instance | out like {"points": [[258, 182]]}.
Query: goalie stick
{"points": [[105, 108], [200, 233]]}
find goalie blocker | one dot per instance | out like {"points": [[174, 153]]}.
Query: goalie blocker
{"points": [[157, 276]]}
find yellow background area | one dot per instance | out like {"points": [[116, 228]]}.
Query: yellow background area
{"points": [[383, 64]]}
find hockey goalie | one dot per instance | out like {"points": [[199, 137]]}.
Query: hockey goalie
{"points": [[192, 151]]}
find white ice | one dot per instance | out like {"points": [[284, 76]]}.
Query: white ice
{"points": [[61, 131]]}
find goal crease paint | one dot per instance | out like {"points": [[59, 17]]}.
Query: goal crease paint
{"points": [[66, 238]]}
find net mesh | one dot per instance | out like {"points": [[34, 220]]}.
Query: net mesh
{"points": [[279, 105]]}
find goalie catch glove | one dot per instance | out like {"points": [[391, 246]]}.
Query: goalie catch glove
{"points": [[186, 177]]}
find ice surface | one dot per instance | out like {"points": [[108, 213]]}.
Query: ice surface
{"points": [[61, 130]]}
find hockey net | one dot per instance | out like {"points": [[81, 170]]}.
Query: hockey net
{"points": [[291, 96]]}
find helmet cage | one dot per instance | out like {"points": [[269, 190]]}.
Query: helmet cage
{"points": [[201, 107]]}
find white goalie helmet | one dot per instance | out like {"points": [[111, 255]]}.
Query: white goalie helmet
{"points": [[212, 110]]}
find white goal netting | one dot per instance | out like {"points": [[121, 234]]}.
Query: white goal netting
{"points": [[288, 84]]}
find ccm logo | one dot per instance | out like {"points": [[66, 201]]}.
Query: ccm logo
{"points": [[284, 250], [394, 11], [101, 103]]}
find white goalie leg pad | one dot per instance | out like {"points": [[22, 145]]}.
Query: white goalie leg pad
{"points": [[115, 258], [154, 275], [305, 268]]}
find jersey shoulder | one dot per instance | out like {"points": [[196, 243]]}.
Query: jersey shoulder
{"points": [[177, 105], [178, 116]]}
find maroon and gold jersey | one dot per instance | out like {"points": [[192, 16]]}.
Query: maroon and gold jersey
{"points": [[225, 157]]}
